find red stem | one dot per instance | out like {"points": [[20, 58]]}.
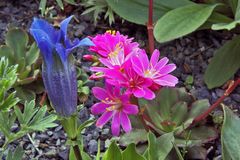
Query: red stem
{"points": [[150, 27], [231, 87], [43, 98]]}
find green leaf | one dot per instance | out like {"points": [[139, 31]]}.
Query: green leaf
{"points": [[228, 26], [24, 94], [32, 54], [34, 118], [16, 155], [17, 40], [42, 6], [85, 125], [9, 102], [226, 60], [237, 13], [179, 112], [136, 136], [6, 52], [71, 156], [233, 5], [136, 11], [113, 152], [131, 153], [159, 148], [230, 135], [72, 2], [182, 21], [60, 4], [198, 107]]}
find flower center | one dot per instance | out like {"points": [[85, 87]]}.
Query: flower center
{"points": [[115, 104]]}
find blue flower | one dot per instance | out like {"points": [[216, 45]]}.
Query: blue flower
{"points": [[58, 70]]}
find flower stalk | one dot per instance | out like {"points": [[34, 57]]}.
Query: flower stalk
{"points": [[150, 26], [232, 85], [70, 127]]}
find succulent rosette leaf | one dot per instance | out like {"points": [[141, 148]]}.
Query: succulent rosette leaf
{"points": [[58, 70]]}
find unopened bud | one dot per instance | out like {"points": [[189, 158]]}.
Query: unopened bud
{"points": [[90, 58]]}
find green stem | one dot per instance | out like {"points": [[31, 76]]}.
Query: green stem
{"points": [[70, 127]]}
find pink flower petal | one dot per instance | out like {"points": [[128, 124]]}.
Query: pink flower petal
{"points": [[138, 92], [144, 60], [161, 63], [137, 65], [100, 93], [167, 80], [130, 109], [155, 57], [104, 119], [99, 108], [125, 122], [149, 94], [116, 124], [167, 69]]}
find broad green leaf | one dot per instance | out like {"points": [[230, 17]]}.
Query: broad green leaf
{"points": [[5, 51], [131, 153], [136, 136], [198, 107], [112, 153], [230, 135], [182, 21], [32, 54], [228, 26], [60, 4], [17, 40], [224, 64], [136, 11], [159, 148], [42, 6], [179, 112]]}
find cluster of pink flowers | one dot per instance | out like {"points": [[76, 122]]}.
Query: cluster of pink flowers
{"points": [[127, 72]]}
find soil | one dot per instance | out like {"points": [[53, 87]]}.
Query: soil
{"points": [[191, 54]]}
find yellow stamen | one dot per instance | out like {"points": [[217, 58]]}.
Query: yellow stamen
{"points": [[111, 108], [113, 32]]}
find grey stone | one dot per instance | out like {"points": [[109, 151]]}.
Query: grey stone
{"points": [[93, 146]]}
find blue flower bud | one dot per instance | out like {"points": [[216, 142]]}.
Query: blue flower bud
{"points": [[58, 70]]}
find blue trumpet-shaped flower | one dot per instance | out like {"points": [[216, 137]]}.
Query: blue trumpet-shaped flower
{"points": [[58, 70]]}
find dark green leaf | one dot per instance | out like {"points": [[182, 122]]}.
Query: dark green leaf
{"points": [[226, 60], [159, 148], [136, 136], [60, 4], [17, 40], [182, 21], [230, 135], [112, 153], [198, 107], [131, 153], [136, 11]]}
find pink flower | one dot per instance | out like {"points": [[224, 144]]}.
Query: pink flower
{"points": [[110, 43], [115, 106], [156, 70], [134, 83]]}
